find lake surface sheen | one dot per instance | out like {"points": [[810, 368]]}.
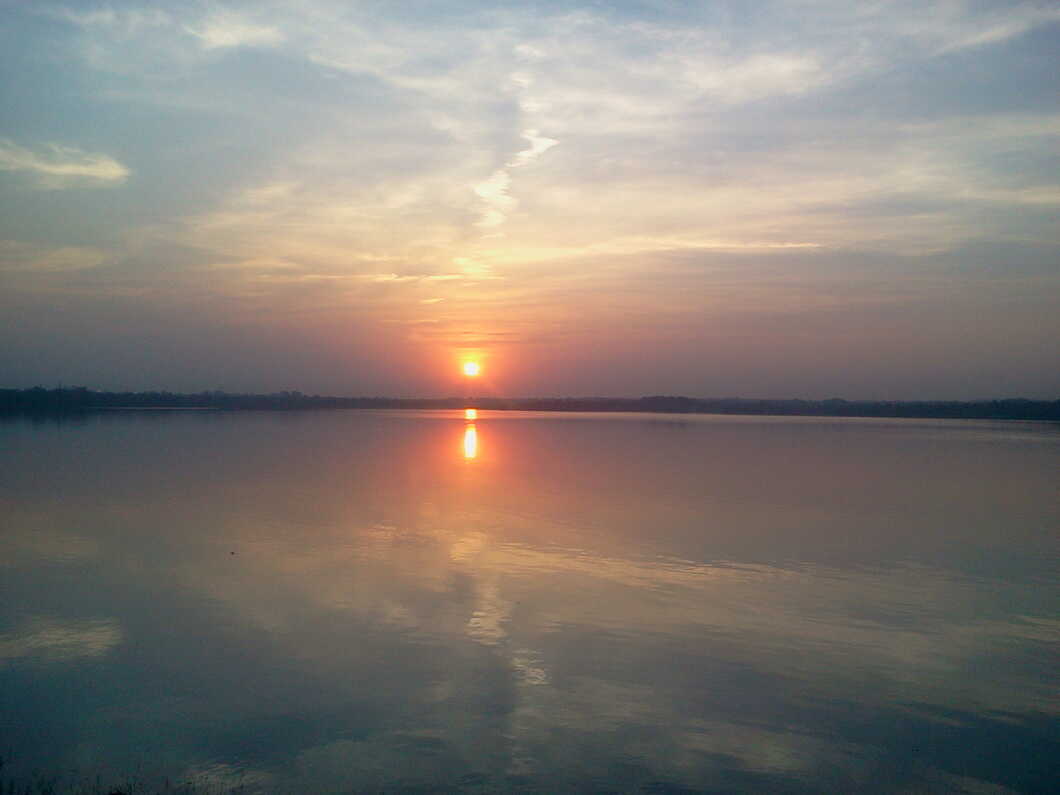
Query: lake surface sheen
{"points": [[412, 601]]}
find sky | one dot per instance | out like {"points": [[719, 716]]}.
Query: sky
{"points": [[763, 199]]}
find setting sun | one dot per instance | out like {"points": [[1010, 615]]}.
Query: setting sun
{"points": [[471, 369]]}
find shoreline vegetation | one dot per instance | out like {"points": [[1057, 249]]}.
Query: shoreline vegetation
{"points": [[80, 400]]}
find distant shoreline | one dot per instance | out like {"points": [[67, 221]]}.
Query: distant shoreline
{"points": [[68, 400]]}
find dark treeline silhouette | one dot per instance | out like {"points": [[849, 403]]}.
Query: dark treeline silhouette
{"points": [[82, 399]]}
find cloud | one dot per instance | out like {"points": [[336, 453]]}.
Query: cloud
{"points": [[19, 256], [1002, 26], [229, 30], [55, 639], [127, 22], [539, 144], [218, 29], [58, 166], [495, 190]]}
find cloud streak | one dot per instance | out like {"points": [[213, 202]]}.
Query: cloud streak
{"points": [[230, 30], [58, 166], [495, 192]]}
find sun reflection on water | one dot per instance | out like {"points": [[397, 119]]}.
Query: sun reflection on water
{"points": [[470, 441]]}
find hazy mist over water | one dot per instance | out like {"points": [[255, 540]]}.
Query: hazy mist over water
{"points": [[422, 601]]}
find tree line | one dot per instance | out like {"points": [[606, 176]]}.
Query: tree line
{"points": [[82, 399]]}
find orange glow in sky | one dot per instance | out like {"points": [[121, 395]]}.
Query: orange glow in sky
{"points": [[503, 210]]}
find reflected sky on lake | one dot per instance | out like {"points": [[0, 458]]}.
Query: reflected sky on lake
{"points": [[349, 601]]}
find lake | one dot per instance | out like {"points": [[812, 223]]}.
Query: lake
{"points": [[373, 601]]}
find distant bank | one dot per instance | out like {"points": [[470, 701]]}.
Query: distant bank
{"points": [[63, 400]]}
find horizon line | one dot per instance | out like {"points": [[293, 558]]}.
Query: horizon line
{"points": [[299, 394]]}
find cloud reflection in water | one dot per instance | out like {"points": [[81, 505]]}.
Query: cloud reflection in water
{"points": [[701, 614]]}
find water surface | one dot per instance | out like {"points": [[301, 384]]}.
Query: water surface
{"points": [[415, 601]]}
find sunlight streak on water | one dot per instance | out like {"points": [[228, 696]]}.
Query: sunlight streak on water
{"points": [[470, 442]]}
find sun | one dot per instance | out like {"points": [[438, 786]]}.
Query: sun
{"points": [[471, 369]]}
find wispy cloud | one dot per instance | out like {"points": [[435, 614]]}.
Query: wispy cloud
{"points": [[19, 256], [1000, 26], [126, 21], [61, 640], [231, 30], [496, 191], [58, 166]]}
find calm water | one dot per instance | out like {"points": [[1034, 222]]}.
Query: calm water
{"points": [[402, 601]]}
